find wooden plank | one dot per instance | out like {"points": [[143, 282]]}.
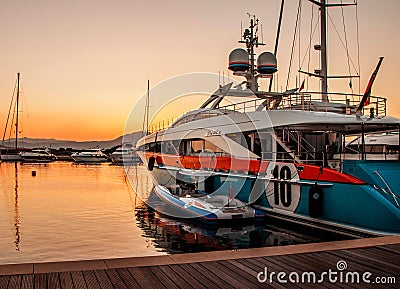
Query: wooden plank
{"points": [[201, 280], [145, 278], [189, 278], [248, 264], [40, 280], [103, 279], [245, 277], [259, 266], [91, 280], [27, 281], [377, 255], [173, 282], [302, 265], [358, 260], [78, 280], [127, 278], [225, 275], [211, 278], [352, 266], [177, 279], [240, 266], [66, 280], [256, 264], [279, 263], [53, 281], [115, 279], [15, 282], [275, 264], [388, 248], [4, 281], [395, 247]]}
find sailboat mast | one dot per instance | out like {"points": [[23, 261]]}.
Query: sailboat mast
{"points": [[16, 123], [324, 58]]}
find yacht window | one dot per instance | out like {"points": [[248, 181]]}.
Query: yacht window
{"points": [[155, 147], [374, 149], [168, 147], [209, 146], [196, 146]]}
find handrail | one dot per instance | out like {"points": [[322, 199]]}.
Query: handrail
{"points": [[338, 102], [302, 139], [387, 187]]}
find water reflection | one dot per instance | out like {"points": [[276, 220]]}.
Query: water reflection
{"points": [[178, 236], [16, 211], [182, 235]]}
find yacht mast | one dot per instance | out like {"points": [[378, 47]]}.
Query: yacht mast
{"points": [[324, 59], [323, 73], [250, 38]]}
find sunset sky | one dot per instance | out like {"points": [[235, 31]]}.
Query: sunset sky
{"points": [[85, 63]]}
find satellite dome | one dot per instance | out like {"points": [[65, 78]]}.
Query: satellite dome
{"points": [[266, 63], [239, 60]]}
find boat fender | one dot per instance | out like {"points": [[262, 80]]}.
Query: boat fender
{"points": [[150, 164], [315, 206], [159, 160], [209, 184]]}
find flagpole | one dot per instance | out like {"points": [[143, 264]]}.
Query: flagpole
{"points": [[367, 93]]}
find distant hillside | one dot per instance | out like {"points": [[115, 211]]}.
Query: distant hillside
{"points": [[56, 144]]}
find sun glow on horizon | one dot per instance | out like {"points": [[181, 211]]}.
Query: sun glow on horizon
{"points": [[83, 69]]}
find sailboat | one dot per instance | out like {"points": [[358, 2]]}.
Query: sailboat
{"points": [[284, 152], [8, 153]]}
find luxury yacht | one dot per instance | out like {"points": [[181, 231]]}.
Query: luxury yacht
{"points": [[90, 156], [281, 152], [125, 154], [38, 155]]}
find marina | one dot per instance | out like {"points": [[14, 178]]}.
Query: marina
{"points": [[69, 212], [245, 178]]}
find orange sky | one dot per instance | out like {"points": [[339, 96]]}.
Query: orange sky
{"points": [[85, 63]]}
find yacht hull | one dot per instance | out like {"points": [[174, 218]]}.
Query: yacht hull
{"points": [[11, 158], [88, 159], [363, 199]]}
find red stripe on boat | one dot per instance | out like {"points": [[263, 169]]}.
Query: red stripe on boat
{"points": [[244, 166], [311, 172]]}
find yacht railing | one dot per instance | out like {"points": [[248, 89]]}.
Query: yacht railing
{"points": [[309, 101], [303, 146], [338, 102]]}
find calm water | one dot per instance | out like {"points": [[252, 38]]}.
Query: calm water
{"points": [[81, 212]]}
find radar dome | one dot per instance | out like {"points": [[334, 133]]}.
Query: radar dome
{"points": [[266, 63], [239, 60]]}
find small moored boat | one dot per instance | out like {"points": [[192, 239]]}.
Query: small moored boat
{"points": [[207, 208], [38, 156], [90, 156], [125, 154]]}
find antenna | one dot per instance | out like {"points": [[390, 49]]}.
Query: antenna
{"points": [[262, 34], [146, 110], [148, 105]]}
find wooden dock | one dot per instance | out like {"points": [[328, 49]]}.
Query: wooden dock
{"points": [[224, 269]]}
